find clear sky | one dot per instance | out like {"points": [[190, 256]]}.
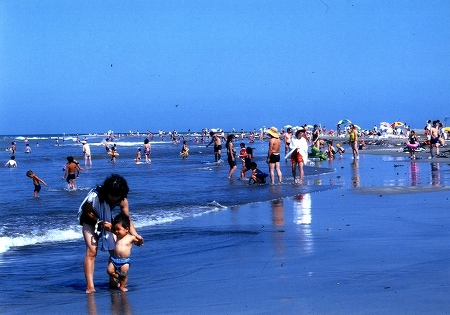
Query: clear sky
{"points": [[91, 66]]}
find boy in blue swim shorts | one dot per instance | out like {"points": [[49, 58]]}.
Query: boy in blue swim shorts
{"points": [[119, 262]]}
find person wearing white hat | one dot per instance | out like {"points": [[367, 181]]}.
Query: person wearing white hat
{"points": [[87, 153], [273, 154]]}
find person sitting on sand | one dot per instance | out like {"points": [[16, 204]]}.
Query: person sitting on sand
{"points": [[119, 262], [257, 176], [330, 152], [340, 149], [362, 145]]}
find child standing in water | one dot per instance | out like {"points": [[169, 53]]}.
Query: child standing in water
{"points": [[36, 182], [119, 263], [184, 150], [138, 155]]}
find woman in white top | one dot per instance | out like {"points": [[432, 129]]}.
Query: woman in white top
{"points": [[299, 154]]}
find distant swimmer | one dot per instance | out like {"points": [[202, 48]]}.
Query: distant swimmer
{"points": [[147, 150], [231, 154], [87, 152], [27, 148], [12, 162], [13, 147], [184, 150], [113, 153], [138, 155], [36, 182], [107, 145], [72, 171], [217, 145]]}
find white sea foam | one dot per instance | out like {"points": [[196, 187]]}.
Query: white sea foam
{"points": [[50, 236]]}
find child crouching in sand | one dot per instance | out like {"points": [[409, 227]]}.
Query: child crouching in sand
{"points": [[257, 175], [119, 263]]}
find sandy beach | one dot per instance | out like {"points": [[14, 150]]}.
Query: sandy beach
{"points": [[375, 242]]}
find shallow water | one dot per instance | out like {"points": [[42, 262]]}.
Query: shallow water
{"points": [[169, 188]]}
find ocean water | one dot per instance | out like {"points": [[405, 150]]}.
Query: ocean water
{"points": [[167, 189]]}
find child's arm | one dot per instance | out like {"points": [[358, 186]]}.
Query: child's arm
{"points": [[41, 181]]}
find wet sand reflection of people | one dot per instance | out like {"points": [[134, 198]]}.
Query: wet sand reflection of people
{"points": [[120, 304], [435, 174], [414, 173], [91, 306], [303, 217], [277, 211], [278, 220], [355, 173]]}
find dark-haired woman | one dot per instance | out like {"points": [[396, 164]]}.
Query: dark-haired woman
{"points": [[95, 217], [231, 154]]}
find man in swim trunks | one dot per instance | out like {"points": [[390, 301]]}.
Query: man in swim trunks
{"points": [[287, 140], [147, 150], [434, 139], [72, 167], [217, 145], [273, 154]]}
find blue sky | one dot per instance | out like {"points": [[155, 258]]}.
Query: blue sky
{"points": [[91, 66]]}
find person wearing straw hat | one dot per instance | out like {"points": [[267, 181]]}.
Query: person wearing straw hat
{"points": [[273, 154]]}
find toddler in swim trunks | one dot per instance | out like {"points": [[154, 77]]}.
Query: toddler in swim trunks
{"points": [[119, 263]]}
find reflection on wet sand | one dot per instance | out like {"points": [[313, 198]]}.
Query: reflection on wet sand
{"points": [[435, 174], [119, 304], [303, 217], [278, 220], [277, 211], [355, 173], [414, 173], [91, 306]]}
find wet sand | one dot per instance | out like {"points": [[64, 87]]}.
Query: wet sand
{"points": [[354, 249]]}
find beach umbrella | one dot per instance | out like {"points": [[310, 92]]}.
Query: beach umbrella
{"points": [[446, 128], [343, 122], [396, 124]]}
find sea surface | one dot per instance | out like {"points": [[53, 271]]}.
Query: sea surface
{"points": [[168, 190]]}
